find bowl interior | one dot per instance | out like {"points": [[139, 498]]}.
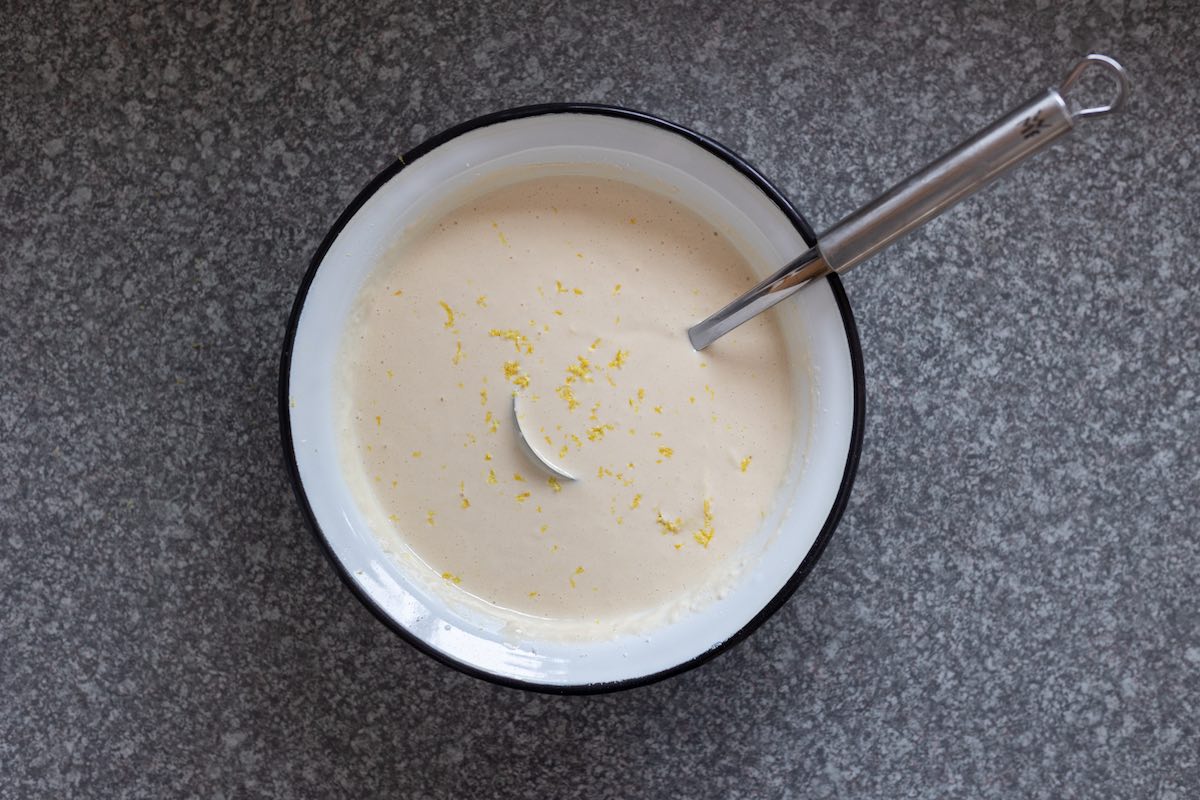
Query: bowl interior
{"points": [[820, 342]]}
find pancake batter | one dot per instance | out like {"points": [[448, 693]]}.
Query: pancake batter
{"points": [[577, 292]]}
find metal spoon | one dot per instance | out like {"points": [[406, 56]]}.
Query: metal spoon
{"points": [[532, 452], [1021, 133], [908, 205]]}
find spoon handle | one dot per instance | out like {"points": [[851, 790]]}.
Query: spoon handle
{"points": [[1023, 132], [908, 205]]}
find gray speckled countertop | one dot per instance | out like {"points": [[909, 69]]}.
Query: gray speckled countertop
{"points": [[1010, 607]]}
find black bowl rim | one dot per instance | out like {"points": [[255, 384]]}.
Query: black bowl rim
{"points": [[801, 225]]}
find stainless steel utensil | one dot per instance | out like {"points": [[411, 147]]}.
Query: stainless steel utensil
{"points": [[532, 452], [1024, 131]]}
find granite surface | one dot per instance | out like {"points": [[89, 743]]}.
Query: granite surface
{"points": [[1010, 608]]}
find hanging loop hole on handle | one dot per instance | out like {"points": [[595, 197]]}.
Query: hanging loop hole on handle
{"points": [[1108, 66]]}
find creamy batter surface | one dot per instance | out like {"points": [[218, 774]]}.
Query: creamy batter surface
{"points": [[577, 292]]}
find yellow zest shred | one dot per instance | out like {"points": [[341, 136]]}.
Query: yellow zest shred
{"points": [[637, 501], [522, 497], [581, 371], [503, 240], [565, 393], [705, 534], [597, 432], [555, 485], [619, 359], [449, 313], [512, 371], [450, 576], [516, 337], [745, 464], [667, 525]]}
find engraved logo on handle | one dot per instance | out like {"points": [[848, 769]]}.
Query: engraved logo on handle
{"points": [[1032, 126]]}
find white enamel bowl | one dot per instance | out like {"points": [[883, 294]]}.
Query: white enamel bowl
{"points": [[715, 183]]}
